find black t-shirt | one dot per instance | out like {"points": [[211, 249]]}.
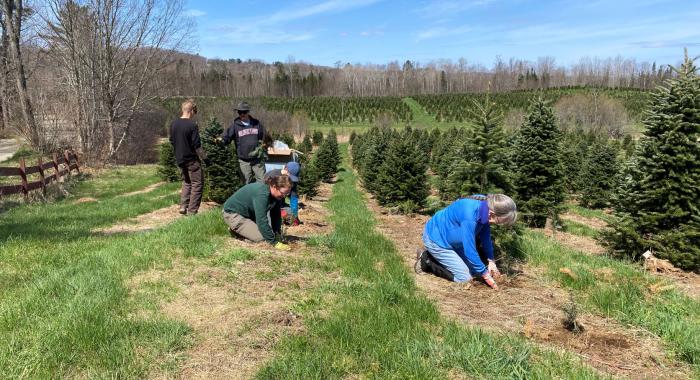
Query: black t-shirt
{"points": [[184, 136]]}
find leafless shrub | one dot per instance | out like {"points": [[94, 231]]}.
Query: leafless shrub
{"points": [[592, 112]]}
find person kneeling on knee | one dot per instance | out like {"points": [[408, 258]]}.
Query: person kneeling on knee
{"points": [[246, 211], [451, 235]]}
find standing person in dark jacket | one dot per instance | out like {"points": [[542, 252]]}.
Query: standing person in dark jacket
{"points": [[247, 132], [184, 136], [246, 211]]}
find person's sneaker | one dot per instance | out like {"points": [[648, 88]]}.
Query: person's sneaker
{"points": [[418, 266]]}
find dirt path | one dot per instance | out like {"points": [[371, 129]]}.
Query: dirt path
{"points": [[240, 309], [145, 190], [150, 221], [8, 147], [596, 223], [532, 307], [578, 243]]}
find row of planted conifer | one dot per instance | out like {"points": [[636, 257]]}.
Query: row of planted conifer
{"points": [[651, 185]]}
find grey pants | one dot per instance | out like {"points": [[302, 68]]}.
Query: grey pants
{"points": [[192, 186], [252, 171], [243, 227]]}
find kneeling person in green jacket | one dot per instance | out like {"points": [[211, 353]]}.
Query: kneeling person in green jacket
{"points": [[246, 211]]}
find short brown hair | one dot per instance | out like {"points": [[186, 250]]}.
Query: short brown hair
{"points": [[189, 105], [279, 182]]}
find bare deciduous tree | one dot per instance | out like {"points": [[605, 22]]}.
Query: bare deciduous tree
{"points": [[109, 52], [11, 19]]}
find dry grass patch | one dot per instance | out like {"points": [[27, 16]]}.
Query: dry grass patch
{"points": [[150, 221]]}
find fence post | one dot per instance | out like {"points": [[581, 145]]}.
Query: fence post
{"points": [[55, 167], [42, 177], [66, 156], [23, 174], [77, 163]]}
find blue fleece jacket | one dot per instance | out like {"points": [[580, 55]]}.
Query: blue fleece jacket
{"points": [[457, 227]]}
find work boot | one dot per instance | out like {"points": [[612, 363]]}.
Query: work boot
{"points": [[420, 259]]}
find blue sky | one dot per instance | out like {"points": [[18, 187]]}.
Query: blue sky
{"points": [[375, 31]]}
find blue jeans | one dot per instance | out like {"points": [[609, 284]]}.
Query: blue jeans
{"points": [[449, 259]]}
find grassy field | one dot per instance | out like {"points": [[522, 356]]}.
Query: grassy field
{"points": [[70, 306], [65, 309], [379, 326], [421, 119]]}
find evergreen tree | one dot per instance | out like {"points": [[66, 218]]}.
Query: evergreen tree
{"points": [[353, 135], [317, 138], [537, 161], [167, 167], [574, 153], [598, 175], [222, 169], [402, 180], [309, 178], [480, 165], [335, 150], [375, 146], [662, 211], [327, 157], [305, 147]]}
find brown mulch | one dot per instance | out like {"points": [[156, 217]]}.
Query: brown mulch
{"points": [[579, 243], [596, 223], [526, 304], [150, 221], [145, 190], [239, 313], [84, 200]]}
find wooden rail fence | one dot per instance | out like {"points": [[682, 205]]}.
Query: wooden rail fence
{"points": [[61, 166]]}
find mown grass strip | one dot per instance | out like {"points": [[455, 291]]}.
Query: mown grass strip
{"points": [[590, 213], [66, 309], [580, 229], [621, 291], [377, 325]]}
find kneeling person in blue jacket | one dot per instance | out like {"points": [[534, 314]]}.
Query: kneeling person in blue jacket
{"points": [[451, 236]]}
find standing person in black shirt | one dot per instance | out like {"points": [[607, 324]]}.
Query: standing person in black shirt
{"points": [[247, 132], [184, 136]]}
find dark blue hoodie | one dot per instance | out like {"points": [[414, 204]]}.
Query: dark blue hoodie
{"points": [[247, 137]]}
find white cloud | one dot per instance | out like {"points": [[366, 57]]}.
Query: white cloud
{"points": [[240, 35], [439, 8], [195, 13], [330, 6], [268, 29], [441, 31]]}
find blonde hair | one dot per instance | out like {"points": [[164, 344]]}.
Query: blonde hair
{"points": [[189, 106], [502, 206]]}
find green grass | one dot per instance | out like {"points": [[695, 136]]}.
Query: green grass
{"points": [[590, 213], [66, 309], [421, 119], [372, 323], [580, 229], [624, 296]]}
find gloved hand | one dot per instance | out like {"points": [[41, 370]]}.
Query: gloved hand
{"points": [[493, 269], [282, 247], [296, 221], [489, 280]]}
